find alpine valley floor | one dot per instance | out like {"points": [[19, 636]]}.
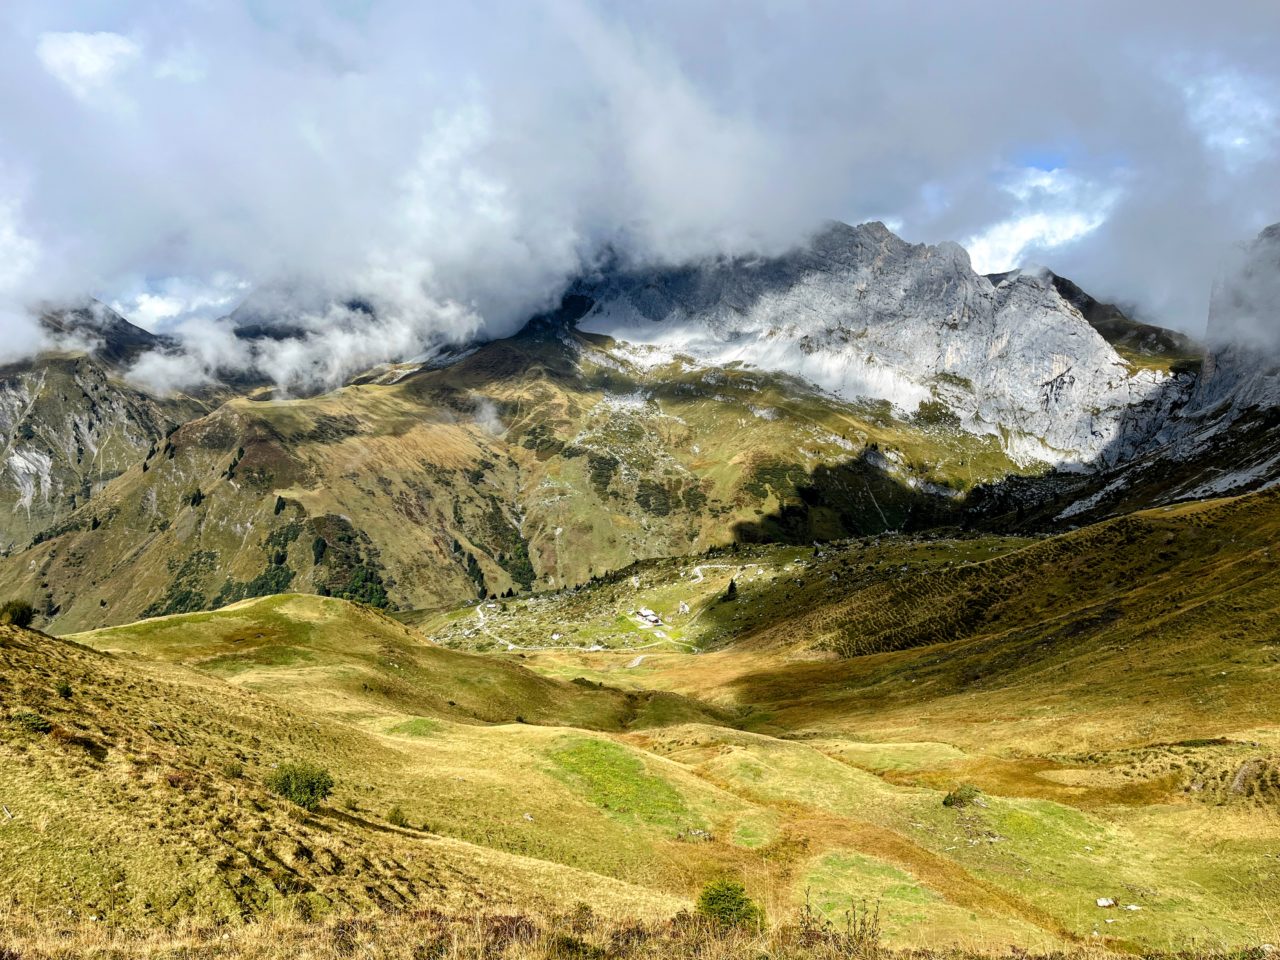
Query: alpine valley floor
{"points": [[589, 759]]}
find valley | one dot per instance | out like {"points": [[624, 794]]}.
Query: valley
{"points": [[567, 627], [802, 735]]}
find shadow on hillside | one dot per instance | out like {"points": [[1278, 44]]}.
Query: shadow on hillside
{"points": [[858, 497], [1037, 502]]}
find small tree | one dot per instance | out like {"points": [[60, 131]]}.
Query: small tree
{"points": [[732, 592], [17, 612], [302, 783], [725, 903], [962, 796]]}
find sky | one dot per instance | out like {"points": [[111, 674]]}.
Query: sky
{"points": [[455, 164]]}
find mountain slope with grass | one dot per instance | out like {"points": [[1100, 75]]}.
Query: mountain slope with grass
{"points": [[1105, 698], [530, 464], [135, 790]]}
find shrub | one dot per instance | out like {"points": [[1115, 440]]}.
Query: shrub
{"points": [[725, 903], [302, 783], [961, 796], [732, 592], [32, 722], [63, 689], [17, 612], [396, 817], [233, 769]]}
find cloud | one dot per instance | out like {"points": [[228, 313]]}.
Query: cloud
{"points": [[85, 63], [1055, 208], [458, 162], [19, 261], [159, 304]]}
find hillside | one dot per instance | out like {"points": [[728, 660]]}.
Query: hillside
{"points": [[1123, 676], [1109, 692], [136, 792], [530, 464]]}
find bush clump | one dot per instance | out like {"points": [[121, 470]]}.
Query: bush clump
{"points": [[63, 689], [31, 722], [962, 796], [725, 903], [19, 613], [396, 817], [302, 783]]}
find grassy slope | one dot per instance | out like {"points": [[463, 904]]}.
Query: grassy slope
{"points": [[131, 806], [526, 463], [1111, 691], [558, 793]]}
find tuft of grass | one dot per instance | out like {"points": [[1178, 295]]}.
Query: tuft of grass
{"points": [[31, 722]]}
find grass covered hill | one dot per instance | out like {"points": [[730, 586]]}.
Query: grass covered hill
{"points": [[531, 464], [1098, 725]]}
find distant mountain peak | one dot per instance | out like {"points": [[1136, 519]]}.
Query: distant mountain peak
{"points": [[99, 330]]}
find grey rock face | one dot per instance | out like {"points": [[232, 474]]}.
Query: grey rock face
{"points": [[66, 429], [863, 314], [1226, 438], [1242, 366]]}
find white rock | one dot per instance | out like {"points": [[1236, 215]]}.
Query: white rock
{"points": [[864, 314], [1106, 902]]}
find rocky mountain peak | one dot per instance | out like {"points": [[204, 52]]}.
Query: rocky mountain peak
{"points": [[97, 329], [868, 316]]}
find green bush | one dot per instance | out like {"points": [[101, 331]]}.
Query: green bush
{"points": [[725, 903], [17, 612], [396, 817], [32, 722], [63, 689], [302, 783], [961, 796]]}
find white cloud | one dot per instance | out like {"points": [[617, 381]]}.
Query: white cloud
{"points": [[1055, 208], [18, 252], [1235, 116], [477, 154], [86, 63], [157, 304]]}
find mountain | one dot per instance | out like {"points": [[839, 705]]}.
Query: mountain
{"points": [[1137, 342], [1225, 436], [857, 385], [531, 463], [98, 330], [69, 424], [862, 313]]}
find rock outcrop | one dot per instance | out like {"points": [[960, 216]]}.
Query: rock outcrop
{"points": [[1225, 438], [864, 314]]}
